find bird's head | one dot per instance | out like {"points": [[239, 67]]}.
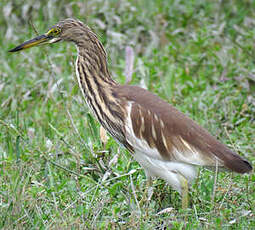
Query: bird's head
{"points": [[67, 30]]}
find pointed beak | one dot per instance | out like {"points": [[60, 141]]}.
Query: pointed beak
{"points": [[34, 42]]}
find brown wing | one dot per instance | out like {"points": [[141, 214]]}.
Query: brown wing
{"points": [[176, 136]]}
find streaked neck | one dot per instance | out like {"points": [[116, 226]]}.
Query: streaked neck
{"points": [[97, 87]]}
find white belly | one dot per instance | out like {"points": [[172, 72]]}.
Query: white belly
{"points": [[172, 172]]}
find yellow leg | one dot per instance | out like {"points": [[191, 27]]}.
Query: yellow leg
{"points": [[146, 196], [185, 194]]}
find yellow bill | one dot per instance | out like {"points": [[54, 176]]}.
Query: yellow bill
{"points": [[33, 42]]}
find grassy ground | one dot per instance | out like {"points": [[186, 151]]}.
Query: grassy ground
{"points": [[55, 172]]}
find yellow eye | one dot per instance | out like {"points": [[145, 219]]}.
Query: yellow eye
{"points": [[54, 31]]}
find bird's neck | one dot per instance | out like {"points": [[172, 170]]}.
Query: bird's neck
{"points": [[97, 87]]}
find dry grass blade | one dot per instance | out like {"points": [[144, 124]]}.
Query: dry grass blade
{"points": [[129, 57]]}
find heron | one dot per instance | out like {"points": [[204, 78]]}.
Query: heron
{"points": [[165, 142]]}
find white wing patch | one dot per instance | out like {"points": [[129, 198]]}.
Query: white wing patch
{"points": [[172, 172], [138, 144], [151, 160]]}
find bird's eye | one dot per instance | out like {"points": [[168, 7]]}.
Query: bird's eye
{"points": [[54, 31]]}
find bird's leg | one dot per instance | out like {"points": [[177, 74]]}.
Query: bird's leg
{"points": [[147, 194], [149, 188], [185, 192]]}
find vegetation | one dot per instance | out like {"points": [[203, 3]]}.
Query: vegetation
{"points": [[57, 171]]}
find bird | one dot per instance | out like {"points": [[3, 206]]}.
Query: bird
{"points": [[165, 142]]}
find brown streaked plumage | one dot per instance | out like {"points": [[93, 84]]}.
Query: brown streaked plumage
{"points": [[165, 142]]}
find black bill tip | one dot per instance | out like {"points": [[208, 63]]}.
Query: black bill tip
{"points": [[33, 42], [18, 48]]}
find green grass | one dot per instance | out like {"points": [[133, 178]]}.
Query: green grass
{"points": [[55, 173]]}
